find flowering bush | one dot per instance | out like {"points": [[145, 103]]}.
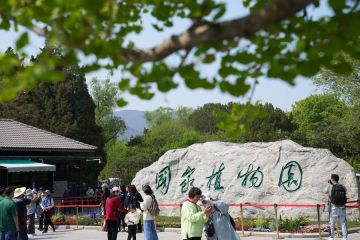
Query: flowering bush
{"points": [[315, 228]]}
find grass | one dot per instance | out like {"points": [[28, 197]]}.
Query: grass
{"points": [[168, 222]]}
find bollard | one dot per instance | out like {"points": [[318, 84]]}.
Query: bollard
{"points": [[319, 223], [77, 216], [276, 221], [242, 219]]}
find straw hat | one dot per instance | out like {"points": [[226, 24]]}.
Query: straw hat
{"points": [[19, 191]]}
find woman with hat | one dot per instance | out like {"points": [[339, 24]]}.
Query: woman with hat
{"points": [[112, 208], [21, 203], [47, 209]]}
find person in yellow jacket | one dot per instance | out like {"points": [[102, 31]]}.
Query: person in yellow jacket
{"points": [[193, 217]]}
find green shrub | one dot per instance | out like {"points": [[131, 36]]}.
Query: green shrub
{"points": [[262, 222], [58, 217], [88, 221], [303, 220]]}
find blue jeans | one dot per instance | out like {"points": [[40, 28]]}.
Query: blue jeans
{"points": [[9, 235], [150, 230], [338, 212]]}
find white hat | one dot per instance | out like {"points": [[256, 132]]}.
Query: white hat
{"points": [[206, 196], [19, 191], [115, 189]]}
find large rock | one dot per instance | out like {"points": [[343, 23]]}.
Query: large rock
{"points": [[276, 172]]}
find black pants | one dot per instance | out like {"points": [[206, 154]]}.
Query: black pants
{"points": [[122, 223], [112, 227], [139, 226], [193, 238], [48, 221], [41, 221], [31, 223], [131, 232]]}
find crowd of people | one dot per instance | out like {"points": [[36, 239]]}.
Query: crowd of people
{"points": [[18, 209], [126, 210], [123, 207]]}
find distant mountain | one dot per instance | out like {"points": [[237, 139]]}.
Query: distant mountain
{"points": [[134, 121]]}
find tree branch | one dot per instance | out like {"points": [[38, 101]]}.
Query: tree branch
{"points": [[39, 31], [212, 33]]}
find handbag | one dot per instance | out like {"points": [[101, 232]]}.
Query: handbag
{"points": [[209, 229]]}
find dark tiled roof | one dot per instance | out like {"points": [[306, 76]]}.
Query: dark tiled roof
{"points": [[17, 135]]}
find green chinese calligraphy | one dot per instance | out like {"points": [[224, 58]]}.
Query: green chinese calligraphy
{"points": [[291, 176], [163, 179], [255, 177], [187, 182], [215, 178]]}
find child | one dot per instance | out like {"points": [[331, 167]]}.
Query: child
{"points": [[132, 219]]}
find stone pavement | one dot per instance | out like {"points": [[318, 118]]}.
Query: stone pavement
{"points": [[93, 234]]}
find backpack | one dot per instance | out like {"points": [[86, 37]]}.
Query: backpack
{"points": [[338, 195], [154, 207]]}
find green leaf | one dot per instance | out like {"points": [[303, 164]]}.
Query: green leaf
{"points": [[192, 78], [220, 11], [22, 41], [124, 84], [239, 88], [337, 5], [209, 58], [157, 27], [300, 45], [121, 102]]}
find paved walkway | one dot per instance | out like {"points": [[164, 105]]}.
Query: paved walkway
{"points": [[92, 234]]}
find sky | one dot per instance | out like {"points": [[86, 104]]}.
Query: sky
{"points": [[277, 92]]}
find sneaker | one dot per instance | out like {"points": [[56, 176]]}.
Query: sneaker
{"points": [[45, 231], [344, 238], [330, 238]]}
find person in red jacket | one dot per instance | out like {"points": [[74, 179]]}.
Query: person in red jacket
{"points": [[112, 209]]}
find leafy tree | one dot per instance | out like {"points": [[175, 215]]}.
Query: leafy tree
{"points": [[319, 120], [277, 39], [105, 95], [205, 118], [274, 124], [64, 107], [159, 116], [346, 86]]}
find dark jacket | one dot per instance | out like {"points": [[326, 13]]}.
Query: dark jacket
{"points": [[134, 199]]}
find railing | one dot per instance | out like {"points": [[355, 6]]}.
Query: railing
{"points": [[241, 205]]}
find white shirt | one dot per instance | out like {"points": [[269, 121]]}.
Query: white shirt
{"points": [[132, 218], [145, 206]]}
